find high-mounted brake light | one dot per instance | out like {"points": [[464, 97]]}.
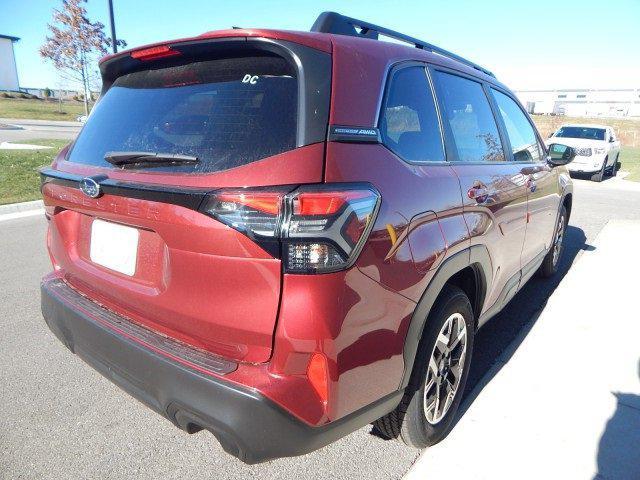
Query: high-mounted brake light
{"points": [[318, 228], [154, 53]]}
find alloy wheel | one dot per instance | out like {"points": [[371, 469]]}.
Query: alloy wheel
{"points": [[557, 244], [446, 365]]}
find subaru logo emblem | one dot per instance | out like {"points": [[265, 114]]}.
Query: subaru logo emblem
{"points": [[90, 187]]}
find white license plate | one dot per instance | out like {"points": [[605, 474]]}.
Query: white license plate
{"points": [[114, 246]]}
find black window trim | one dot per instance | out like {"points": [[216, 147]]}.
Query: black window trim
{"points": [[392, 70]]}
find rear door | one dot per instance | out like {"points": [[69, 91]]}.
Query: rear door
{"points": [[542, 182], [493, 187], [134, 235]]}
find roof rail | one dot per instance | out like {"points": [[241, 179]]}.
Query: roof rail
{"points": [[332, 22]]}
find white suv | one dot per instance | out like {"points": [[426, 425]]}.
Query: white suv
{"points": [[597, 149]]}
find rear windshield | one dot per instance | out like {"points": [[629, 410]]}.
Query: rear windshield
{"points": [[225, 112], [581, 132]]}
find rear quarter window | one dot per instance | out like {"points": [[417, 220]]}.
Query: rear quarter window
{"points": [[409, 122], [225, 112]]}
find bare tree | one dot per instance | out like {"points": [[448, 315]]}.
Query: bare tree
{"points": [[75, 44]]}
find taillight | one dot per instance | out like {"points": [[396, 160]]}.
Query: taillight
{"points": [[325, 227], [317, 228], [254, 213]]}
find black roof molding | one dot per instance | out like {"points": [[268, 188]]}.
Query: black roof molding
{"points": [[9, 37], [332, 22]]}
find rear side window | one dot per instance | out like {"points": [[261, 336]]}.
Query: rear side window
{"points": [[225, 112], [466, 111], [409, 122], [522, 137]]}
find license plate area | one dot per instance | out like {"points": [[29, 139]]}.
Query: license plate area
{"points": [[114, 246]]}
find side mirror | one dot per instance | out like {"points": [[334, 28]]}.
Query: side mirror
{"points": [[611, 139], [560, 154]]}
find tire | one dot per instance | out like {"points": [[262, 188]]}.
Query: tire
{"points": [[598, 177], [551, 261], [409, 422], [614, 167]]}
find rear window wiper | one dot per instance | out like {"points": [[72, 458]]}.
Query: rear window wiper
{"points": [[148, 159]]}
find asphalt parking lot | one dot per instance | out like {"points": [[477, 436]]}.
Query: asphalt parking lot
{"points": [[60, 419]]}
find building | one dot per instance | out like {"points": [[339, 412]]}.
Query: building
{"points": [[8, 70], [583, 102]]}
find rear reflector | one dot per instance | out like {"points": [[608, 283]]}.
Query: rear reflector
{"points": [[318, 375], [154, 53], [316, 228]]}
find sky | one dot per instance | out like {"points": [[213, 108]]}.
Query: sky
{"points": [[541, 44]]}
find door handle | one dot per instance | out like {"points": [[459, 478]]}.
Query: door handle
{"points": [[531, 184], [479, 193]]}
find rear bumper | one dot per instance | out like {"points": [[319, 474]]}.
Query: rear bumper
{"points": [[247, 424]]}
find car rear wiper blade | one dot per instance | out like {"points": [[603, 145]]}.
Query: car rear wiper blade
{"points": [[148, 159]]}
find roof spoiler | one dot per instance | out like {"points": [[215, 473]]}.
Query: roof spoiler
{"points": [[332, 22]]}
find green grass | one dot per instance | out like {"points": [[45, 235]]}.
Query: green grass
{"points": [[630, 160], [19, 179], [40, 109]]}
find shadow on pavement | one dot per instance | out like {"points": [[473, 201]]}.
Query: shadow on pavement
{"points": [[618, 448], [506, 331]]}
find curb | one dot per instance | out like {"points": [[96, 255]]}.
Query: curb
{"points": [[23, 209], [32, 122], [10, 126], [22, 146]]}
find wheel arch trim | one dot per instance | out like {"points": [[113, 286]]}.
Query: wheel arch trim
{"points": [[476, 257]]}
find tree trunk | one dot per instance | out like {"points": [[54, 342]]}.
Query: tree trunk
{"points": [[84, 84], [86, 102]]}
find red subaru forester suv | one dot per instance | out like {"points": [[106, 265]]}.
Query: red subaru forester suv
{"points": [[281, 237]]}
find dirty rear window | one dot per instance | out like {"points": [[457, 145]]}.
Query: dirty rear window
{"points": [[225, 112]]}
